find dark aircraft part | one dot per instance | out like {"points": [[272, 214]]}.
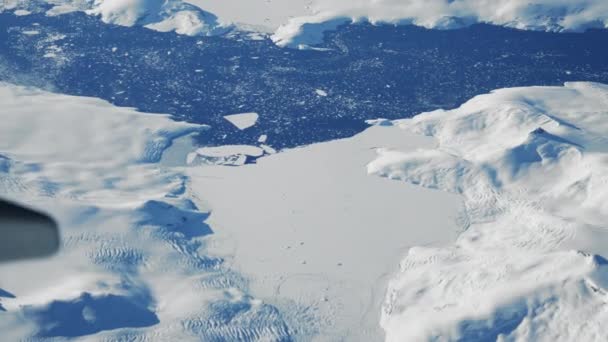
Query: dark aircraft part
{"points": [[25, 233]]}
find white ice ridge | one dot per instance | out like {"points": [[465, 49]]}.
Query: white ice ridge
{"points": [[532, 167], [134, 263], [550, 15], [159, 15]]}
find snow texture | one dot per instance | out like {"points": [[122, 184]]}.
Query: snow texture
{"points": [[317, 236], [259, 15], [549, 15], [531, 165], [159, 252], [159, 15], [134, 263]]}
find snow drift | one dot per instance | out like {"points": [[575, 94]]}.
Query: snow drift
{"points": [[550, 15], [531, 166]]}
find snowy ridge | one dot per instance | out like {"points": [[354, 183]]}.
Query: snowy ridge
{"points": [[159, 15], [549, 15], [133, 265], [531, 166]]}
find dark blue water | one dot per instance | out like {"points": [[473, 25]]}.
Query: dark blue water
{"points": [[371, 71]]}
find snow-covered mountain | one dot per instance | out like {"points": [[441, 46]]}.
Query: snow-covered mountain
{"points": [[304, 22], [531, 166], [545, 15], [159, 15]]}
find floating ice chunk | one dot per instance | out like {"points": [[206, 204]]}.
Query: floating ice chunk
{"points": [[268, 149], [379, 122], [229, 150], [244, 120], [232, 155], [21, 12]]}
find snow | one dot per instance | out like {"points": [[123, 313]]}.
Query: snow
{"points": [[124, 143], [156, 250], [60, 8], [316, 236], [530, 165], [187, 23], [133, 262], [159, 15], [552, 15], [263, 15], [499, 223], [244, 120], [302, 23]]}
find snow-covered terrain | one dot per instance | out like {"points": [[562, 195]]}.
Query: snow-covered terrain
{"points": [[482, 223], [134, 249], [159, 15], [301, 23], [301, 245], [551, 15], [158, 252], [531, 165], [263, 15]]}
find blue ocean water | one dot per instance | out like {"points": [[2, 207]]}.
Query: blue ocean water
{"points": [[368, 71]]}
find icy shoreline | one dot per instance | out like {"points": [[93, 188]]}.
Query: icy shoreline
{"points": [[530, 164]]}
